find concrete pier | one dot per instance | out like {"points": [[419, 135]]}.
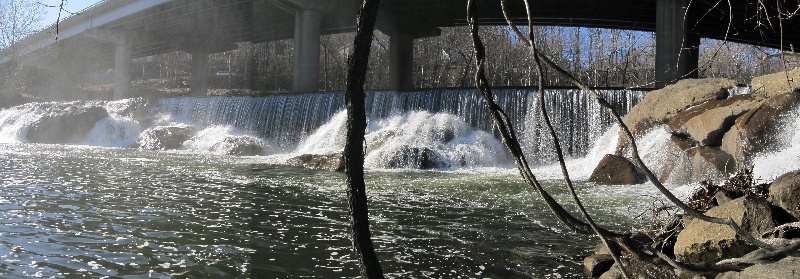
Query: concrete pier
{"points": [[199, 81], [401, 62], [306, 50], [122, 69], [677, 50]]}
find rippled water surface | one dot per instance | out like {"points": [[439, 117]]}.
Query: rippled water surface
{"points": [[76, 212]]}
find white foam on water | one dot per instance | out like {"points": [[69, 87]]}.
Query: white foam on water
{"points": [[328, 138], [770, 165], [458, 144], [397, 141], [15, 121], [221, 139]]}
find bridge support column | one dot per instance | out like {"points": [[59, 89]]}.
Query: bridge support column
{"points": [[199, 81], [401, 62], [122, 68], [307, 25], [677, 51]]}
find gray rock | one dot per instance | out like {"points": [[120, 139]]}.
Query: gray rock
{"points": [[67, 124], [164, 137], [785, 192], [240, 146], [616, 170], [597, 264], [331, 162], [788, 267], [416, 157]]}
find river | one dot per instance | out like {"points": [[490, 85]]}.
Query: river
{"points": [[105, 206]]}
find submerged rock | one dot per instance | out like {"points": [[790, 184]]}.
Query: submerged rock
{"points": [[616, 170], [165, 137], [785, 192], [69, 124], [331, 162]]}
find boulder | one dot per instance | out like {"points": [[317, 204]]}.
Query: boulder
{"points": [[776, 84], [676, 123], [239, 146], [639, 269], [616, 170], [597, 264], [8, 99], [331, 162], [710, 163], [753, 131], [788, 267], [660, 105], [417, 158], [69, 124], [702, 242], [164, 137], [708, 123], [785, 192]]}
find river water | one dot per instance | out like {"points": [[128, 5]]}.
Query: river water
{"points": [[111, 203], [77, 211]]}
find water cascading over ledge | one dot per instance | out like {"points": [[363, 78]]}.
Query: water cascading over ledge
{"points": [[286, 119]]}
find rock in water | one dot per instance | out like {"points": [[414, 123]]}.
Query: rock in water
{"points": [[331, 162], [69, 124], [417, 157], [703, 242], [165, 137], [710, 163], [753, 132], [597, 264], [785, 192], [239, 146], [616, 170]]}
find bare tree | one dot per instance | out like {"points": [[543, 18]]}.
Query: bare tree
{"points": [[18, 19], [354, 147]]}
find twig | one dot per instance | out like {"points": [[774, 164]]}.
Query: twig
{"points": [[556, 143]]}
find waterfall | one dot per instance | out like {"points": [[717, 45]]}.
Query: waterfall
{"points": [[307, 122]]}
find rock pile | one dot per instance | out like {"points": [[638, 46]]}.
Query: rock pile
{"points": [[696, 243], [712, 133]]}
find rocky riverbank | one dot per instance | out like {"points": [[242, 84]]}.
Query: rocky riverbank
{"points": [[769, 212], [713, 132]]}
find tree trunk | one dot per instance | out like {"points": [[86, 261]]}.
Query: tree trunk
{"points": [[353, 151]]}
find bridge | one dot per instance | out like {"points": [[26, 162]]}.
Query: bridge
{"points": [[116, 31]]}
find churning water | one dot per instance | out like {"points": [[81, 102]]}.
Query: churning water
{"points": [[151, 190]]}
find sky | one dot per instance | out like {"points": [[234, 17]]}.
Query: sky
{"points": [[51, 14]]}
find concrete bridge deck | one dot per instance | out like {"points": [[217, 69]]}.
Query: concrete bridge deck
{"points": [[115, 31]]}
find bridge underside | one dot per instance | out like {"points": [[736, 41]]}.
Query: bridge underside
{"points": [[203, 27]]}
